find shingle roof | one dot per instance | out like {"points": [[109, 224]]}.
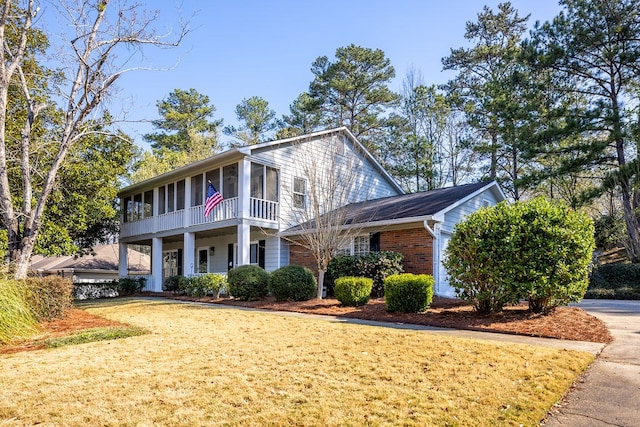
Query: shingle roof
{"points": [[412, 205], [105, 257]]}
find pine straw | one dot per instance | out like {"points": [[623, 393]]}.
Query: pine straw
{"points": [[568, 323], [204, 366]]}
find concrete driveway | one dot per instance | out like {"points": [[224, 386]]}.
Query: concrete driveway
{"points": [[609, 393]]}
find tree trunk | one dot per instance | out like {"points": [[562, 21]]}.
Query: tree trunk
{"points": [[320, 283], [631, 221]]}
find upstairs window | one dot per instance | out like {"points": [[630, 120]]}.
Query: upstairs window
{"points": [[230, 181], [180, 195], [162, 200], [196, 190], [299, 193]]}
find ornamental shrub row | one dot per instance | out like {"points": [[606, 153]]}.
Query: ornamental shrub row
{"points": [[375, 265], [353, 291], [292, 282], [532, 250], [408, 293], [196, 286]]}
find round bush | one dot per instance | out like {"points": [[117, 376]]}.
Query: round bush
{"points": [[248, 282], [408, 293], [531, 250], [292, 282], [353, 291]]}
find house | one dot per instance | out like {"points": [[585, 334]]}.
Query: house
{"points": [[101, 265], [266, 191]]}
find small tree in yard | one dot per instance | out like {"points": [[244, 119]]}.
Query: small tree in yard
{"points": [[320, 219], [529, 250]]}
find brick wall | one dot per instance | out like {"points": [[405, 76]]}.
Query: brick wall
{"points": [[299, 255], [415, 244]]}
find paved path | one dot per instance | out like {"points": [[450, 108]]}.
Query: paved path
{"points": [[609, 393]]}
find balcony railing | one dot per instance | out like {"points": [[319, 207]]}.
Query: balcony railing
{"points": [[265, 210]]}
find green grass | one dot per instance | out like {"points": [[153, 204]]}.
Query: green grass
{"points": [[96, 334], [17, 320], [228, 367]]}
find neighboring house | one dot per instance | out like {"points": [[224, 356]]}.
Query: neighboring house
{"points": [[102, 265], [264, 188]]}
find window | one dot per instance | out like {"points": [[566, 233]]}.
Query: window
{"points": [[272, 184], [257, 181], [171, 194], [171, 263], [148, 204], [214, 177], [161, 200], [361, 245], [127, 206], [230, 181], [299, 193], [196, 190], [253, 253], [137, 207], [203, 260], [180, 195]]}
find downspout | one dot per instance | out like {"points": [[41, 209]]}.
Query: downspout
{"points": [[435, 252]]}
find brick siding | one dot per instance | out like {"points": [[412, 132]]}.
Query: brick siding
{"points": [[415, 244]]}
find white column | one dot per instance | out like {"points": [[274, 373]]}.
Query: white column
{"points": [[187, 201], [123, 268], [156, 265], [244, 242], [156, 208], [189, 254], [244, 199]]}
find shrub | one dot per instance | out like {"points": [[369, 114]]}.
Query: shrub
{"points": [[408, 293], [174, 284], [17, 320], [49, 297], [339, 266], [528, 250], [353, 291], [378, 266], [615, 281], [129, 286], [248, 282], [199, 286], [375, 265], [292, 282]]}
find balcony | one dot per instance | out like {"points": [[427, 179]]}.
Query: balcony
{"points": [[259, 209]]}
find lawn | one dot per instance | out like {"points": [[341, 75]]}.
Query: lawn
{"points": [[219, 366]]}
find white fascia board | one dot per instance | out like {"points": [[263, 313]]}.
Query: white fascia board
{"points": [[372, 224], [440, 214]]}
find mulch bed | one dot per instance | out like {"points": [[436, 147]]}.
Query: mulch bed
{"points": [[568, 323]]}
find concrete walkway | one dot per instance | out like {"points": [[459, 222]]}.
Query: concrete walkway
{"points": [[609, 393]]}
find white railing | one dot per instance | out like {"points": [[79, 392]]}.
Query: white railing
{"points": [[263, 209], [227, 209]]}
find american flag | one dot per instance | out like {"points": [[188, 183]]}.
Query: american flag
{"points": [[213, 198]]}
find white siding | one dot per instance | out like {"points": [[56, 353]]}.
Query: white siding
{"points": [[459, 213], [324, 155]]}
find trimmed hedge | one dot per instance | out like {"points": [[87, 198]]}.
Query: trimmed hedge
{"points": [[408, 293], [49, 297], [615, 281], [248, 282], [353, 291], [199, 286], [292, 282], [374, 265], [129, 286]]}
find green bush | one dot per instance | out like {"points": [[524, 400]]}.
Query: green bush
{"points": [[49, 297], [248, 282], [17, 320], [129, 286], [375, 265], [408, 293], [199, 286], [615, 281], [378, 266], [292, 282], [340, 266], [174, 284], [527, 250], [353, 291]]}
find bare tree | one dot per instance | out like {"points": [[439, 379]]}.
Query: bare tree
{"points": [[325, 213], [102, 47]]}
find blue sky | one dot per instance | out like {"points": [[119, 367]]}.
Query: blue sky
{"points": [[238, 49]]}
